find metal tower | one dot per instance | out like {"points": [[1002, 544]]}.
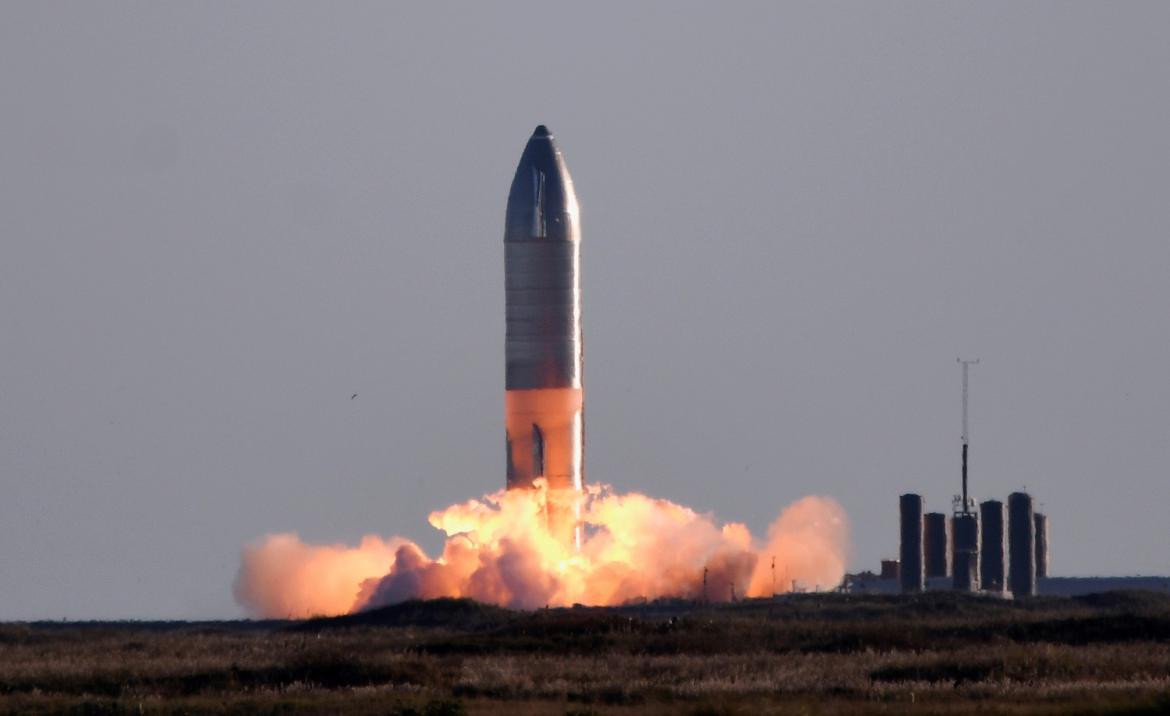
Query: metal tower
{"points": [[964, 504]]}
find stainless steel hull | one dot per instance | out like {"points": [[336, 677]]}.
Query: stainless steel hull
{"points": [[544, 402]]}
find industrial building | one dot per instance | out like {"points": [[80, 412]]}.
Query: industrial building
{"points": [[997, 551], [991, 548]]}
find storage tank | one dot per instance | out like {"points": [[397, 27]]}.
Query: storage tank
{"points": [[965, 526], [1021, 545], [992, 546], [1041, 522], [936, 539], [912, 572]]}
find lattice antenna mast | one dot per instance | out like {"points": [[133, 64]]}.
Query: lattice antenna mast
{"points": [[964, 503]]}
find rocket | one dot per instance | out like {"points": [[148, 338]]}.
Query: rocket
{"points": [[543, 397]]}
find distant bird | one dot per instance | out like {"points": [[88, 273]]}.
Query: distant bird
{"points": [[353, 396]]}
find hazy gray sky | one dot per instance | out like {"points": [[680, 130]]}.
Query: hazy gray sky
{"points": [[220, 220]]}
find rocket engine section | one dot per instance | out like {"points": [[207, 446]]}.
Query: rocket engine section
{"points": [[543, 400]]}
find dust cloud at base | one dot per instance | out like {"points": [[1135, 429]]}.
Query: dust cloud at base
{"points": [[498, 550]]}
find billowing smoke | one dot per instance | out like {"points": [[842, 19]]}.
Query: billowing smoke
{"points": [[281, 576], [499, 550]]}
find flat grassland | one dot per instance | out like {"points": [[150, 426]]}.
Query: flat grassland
{"points": [[813, 653]]}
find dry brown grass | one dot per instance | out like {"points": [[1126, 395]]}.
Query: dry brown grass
{"points": [[826, 655]]}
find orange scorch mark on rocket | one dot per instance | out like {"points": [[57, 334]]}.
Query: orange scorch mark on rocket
{"points": [[544, 431]]}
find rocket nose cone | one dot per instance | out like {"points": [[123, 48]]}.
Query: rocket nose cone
{"points": [[541, 203]]}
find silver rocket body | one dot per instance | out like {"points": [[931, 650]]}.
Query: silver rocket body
{"points": [[544, 401]]}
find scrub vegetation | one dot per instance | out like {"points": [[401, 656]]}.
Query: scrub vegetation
{"points": [[815, 654]]}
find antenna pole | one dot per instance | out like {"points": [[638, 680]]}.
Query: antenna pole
{"points": [[966, 506]]}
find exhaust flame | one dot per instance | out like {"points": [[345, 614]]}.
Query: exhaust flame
{"points": [[499, 550]]}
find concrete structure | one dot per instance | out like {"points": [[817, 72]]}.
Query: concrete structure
{"points": [[992, 546], [1021, 545], [910, 553]]}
